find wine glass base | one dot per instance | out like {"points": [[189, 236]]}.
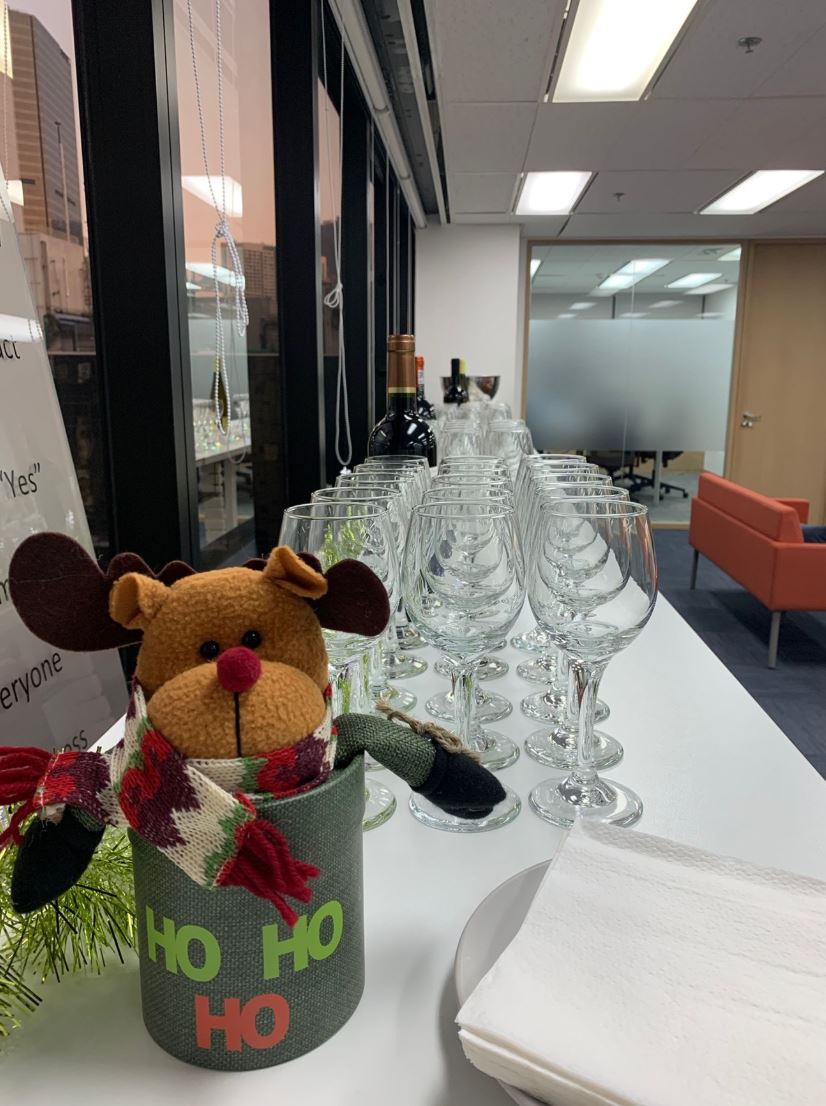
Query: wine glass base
{"points": [[495, 750], [409, 637], [557, 748], [538, 671], [397, 697], [489, 707], [532, 641], [561, 802], [379, 804], [401, 668], [430, 815], [552, 706], [488, 668]]}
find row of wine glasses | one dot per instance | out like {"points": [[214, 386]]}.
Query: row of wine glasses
{"points": [[459, 551]]}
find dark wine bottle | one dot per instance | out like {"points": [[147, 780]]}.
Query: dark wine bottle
{"points": [[424, 408], [455, 392], [402, 430]]}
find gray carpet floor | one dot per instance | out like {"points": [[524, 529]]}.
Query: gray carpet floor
{"points": [[735, 626]]}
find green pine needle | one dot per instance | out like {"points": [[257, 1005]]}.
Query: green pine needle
{"points": [[86, 928]]}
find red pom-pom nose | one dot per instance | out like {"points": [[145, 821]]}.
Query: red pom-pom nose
{"points": [[238, 669]]}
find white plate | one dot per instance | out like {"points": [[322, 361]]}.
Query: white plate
{"points": [[490, 929]]}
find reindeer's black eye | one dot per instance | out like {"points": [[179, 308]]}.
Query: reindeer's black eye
{"points": [[252, 639], [209, 650]]}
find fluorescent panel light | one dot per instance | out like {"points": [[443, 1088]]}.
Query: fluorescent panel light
{"points": [[707, 289], [567, 315], [732, 255], [634, 314], [693, 280], [551, 193], [199, 186], [762, 188], [616, 47], [632, 272], [15, 190], [583, 306], [535, 263], [666, 303], [711, 315]]}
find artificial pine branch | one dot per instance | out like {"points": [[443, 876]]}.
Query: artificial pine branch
{"points": [[91, 922]]}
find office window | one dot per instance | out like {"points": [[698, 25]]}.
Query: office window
{"points": [[226, 492], [630, 350], [41, 160]]}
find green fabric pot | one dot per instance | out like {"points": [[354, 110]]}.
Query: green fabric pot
{"points": [[225, 982]]}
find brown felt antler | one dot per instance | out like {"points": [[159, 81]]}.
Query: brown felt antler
{"points": [[62, 595]]}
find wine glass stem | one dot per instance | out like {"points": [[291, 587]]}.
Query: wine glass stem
{"points": [[462, 687], [344, 680], [390, 640], [587, 677]]}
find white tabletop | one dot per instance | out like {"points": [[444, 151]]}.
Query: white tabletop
{"points": [[713, 771]]}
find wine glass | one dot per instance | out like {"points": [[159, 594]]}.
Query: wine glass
{"points": [[460, 438], [334, 531], [463, 586], [592, 586], [509, 439]]}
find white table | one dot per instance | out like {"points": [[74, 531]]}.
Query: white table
{"points": [[713, 770]]}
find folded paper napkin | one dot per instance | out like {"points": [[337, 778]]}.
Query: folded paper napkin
{"points": [[648, 973]]}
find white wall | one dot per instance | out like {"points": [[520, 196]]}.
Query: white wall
{"points": [[467, 304]]}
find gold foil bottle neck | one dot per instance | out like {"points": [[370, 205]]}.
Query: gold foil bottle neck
{"points": [[401, 343]]}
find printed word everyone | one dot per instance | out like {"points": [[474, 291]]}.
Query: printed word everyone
{"points": [[19, 690]]}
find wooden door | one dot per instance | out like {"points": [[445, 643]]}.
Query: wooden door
{"points": [[777, 420]]}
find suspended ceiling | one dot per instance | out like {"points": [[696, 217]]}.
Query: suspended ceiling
{"points": [[715, 114]]}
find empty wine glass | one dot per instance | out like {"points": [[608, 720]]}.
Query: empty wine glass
{"points": [[460, 438], [331, 532], [592, 586], [463, 586], [509, 439]]}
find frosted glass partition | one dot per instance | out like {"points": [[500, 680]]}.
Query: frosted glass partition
{"points": [[629, 384]]}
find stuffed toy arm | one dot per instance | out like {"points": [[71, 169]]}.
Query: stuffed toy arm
{"points": [[438, 769]]}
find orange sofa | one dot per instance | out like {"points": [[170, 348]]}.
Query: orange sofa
{"points": [[759, 543]]}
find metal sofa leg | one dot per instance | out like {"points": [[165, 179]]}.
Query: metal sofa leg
{"points": [[774, 638], [694, 564]]}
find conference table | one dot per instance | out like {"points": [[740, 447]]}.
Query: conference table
{"points": [[713, 771]]}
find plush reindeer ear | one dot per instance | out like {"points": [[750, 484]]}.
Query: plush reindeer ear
{"points": [[287, 570], [62, 595], [356, 600], [136, 599]]}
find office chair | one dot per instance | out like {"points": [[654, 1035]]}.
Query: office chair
{"points": [[637, 481]]}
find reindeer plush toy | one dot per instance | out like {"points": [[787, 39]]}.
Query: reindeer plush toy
{"points": [[230, 701]]}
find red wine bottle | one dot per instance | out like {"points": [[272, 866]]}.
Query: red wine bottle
{"points": [[455, 392], [424, 408], [402, 430]]}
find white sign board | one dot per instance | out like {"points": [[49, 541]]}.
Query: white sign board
{"points": [[48, 697]]}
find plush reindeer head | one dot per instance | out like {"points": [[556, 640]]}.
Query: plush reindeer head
{"points": [[232, 662]]}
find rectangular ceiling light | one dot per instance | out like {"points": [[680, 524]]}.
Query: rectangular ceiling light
{"points": [[707, 289], [732, 255], [551, 193], [567, 315], [693, 280], [616, 46], [632, 272], [535, 263], [634, 314], [759, 190], [207, 187], [666, 303], [583, 306]]}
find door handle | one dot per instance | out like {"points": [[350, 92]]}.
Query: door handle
{"points": [[747, 420]]}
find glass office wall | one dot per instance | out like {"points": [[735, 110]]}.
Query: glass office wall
{"points": [[40, 155], [217, 264], [629, 361]]}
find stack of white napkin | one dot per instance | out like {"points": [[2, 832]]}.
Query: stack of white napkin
{"points": [[648, 973]]}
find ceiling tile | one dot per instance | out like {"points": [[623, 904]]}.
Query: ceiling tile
{"points": [[486, 138], [769, 224], [490, 51], [480, 192], [646, 135], [708, 62], [763, 134], [654, 191], [804, 72]]}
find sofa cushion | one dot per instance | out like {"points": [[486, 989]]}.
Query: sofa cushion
{"points": [[769, 517]]}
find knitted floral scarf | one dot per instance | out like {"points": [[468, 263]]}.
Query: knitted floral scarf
{"points": [[196, 812]]}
